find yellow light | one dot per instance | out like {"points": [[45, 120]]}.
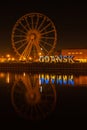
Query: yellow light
{"points": [[8, 55], [39, 53], [80, 53], [9, 58], [73, 53], [83, 60], [2, 75], [30, 58], [2, 59], [69, 53], [8, 78], [13, 59], [24, 58], [76, 52], [24, 74]]}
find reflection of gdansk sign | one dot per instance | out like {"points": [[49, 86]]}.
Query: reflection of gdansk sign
{"points": [[55, 59]]}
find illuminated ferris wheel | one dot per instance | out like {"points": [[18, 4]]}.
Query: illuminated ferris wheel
{"points": [[33, 35]]}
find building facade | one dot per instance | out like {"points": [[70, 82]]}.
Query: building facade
{"points": [[79, 55]]}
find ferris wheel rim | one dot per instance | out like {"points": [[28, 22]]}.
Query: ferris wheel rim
{"points": [[27, 15]]}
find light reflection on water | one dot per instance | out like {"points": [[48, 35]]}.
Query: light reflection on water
{"points": [[42, 78], [28, 100], [34, 96]]}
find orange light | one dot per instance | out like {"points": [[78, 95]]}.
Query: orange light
{"points": [[13, 59], [39, 53], [30, 58], [8, 55]]}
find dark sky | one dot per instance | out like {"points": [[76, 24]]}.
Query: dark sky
{"points": [[70, 20]]}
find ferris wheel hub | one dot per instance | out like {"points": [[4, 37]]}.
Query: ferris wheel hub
{"points": [[32, 36]]}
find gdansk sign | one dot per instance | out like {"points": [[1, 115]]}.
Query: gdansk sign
{"points": [[56, 59]]}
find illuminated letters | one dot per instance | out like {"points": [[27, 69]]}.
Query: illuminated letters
{"points": [[56, 59]]}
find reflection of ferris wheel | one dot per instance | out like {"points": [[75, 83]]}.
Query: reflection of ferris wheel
{"points": [[27, 99], [34, 34]]}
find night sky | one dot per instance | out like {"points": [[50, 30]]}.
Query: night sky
{"points": [[70, 20]]}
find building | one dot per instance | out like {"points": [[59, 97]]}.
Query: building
{"points": [[79, 55]]}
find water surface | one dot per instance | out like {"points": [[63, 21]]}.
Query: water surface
{"points": [[39, 100]]}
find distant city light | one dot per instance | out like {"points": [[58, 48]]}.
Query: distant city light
{"points": [[8, 55], [79, 55]]}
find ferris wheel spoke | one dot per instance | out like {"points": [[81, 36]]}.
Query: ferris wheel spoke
{"points": [[21, 46], [40, 109], [23, 26], [20, 41], [17, 77], [37, 22], [41, 23], [26, 50], [27, 85], [20, 36], [26, 81], [47, 32], [38, 49], [16, 80], [23, 55], [29, 80], [29, 49], [28, 25], [32, 22], [44, 48], [50, 38], [46, 43], [21, 31], [45, 27]]}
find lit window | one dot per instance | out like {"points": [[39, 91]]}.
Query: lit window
{"points": [[73, 53], [80, 52], [69, 53]]}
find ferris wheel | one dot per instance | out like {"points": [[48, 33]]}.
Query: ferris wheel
{"points": [[33, 35]]}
